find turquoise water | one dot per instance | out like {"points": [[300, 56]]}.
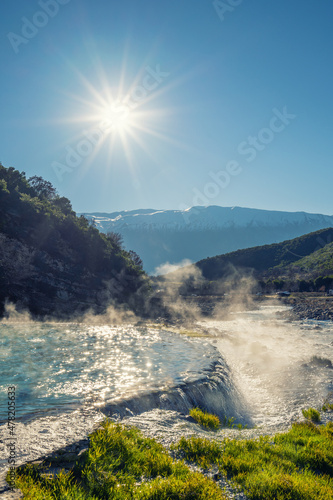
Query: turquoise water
{"points": [[62, 366]]}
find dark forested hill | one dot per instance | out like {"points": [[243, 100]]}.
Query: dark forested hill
{"points": [[265, 257], [55, 263], [301, 264]]}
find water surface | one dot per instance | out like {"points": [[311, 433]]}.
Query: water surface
{"points": [[61, 366]]}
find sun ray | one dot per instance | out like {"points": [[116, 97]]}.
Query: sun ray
{"points": [[167, 138], [85, 167], [140, 142], [107, 104]]}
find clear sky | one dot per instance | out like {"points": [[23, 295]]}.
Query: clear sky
{"points": [[168, 104]]}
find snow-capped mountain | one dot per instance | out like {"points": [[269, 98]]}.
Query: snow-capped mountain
{"points": [[161, 236]]}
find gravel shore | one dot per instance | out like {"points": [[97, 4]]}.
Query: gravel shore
{"points": [[306, 306]]}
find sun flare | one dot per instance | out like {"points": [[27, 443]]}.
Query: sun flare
{"points": [[118, 117]]}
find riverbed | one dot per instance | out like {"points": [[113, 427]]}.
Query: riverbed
{"points": [[68, 375]]}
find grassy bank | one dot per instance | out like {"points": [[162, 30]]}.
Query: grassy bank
{"points": [[296, 465], [122, 464]]}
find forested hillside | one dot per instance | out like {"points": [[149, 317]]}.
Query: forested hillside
{"points": [[300, 264], [55, 263], [320, 261]]}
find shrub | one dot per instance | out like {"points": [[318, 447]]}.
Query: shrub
{"points": [[311, 414], [205, 419]]}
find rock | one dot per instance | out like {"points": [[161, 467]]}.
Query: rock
{"points": [[190, 419], [81, 452], [69, 457], [11, 495]]}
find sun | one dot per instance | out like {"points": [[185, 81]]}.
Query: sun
{"points": [[118, 117]]}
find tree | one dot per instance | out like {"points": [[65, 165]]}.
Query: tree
{"points": [[63, 204], [116, 239], [136, 259], [43, 188], [305, 286], [3, 186], [15, 180], [323, 283], [278, 284]]}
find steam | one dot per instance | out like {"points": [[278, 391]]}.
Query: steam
{"points": [[280, 366], [114, 315], [174, 299], [12, 314], [172, 293], [187, 296], [239, 293], [167, 268]]}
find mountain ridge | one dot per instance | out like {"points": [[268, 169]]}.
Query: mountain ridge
{"points": [[210, 216], [170, 236]]}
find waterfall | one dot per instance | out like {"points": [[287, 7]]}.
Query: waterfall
{"points": [[214, 392]]}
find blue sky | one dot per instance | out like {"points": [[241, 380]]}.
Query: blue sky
{"points": [[225, 105]]}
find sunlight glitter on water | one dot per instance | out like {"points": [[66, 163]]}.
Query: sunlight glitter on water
{"points": [[62, 365]]}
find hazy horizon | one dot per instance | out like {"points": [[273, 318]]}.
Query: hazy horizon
{"points": [[200, 206]]}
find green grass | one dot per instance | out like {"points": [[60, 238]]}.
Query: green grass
{"points": [[229, 422], [120, 464], [212, 422], [205, 419], [327, 405], [311, 414], [296, 465]]}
